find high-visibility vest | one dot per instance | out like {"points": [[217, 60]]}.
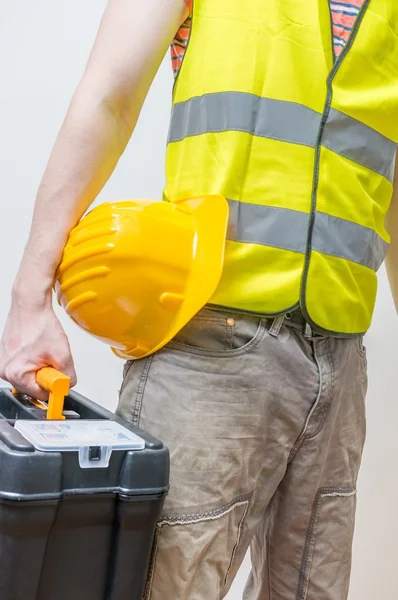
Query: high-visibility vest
{"points": [[303, 147]]}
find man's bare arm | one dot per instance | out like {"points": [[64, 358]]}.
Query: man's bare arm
{"points": [[392, 228], [130, 45]]}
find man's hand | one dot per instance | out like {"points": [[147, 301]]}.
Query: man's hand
{"points": [[33, 338]]}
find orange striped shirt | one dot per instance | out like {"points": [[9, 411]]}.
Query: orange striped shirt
{"points": [[180, 42], [344, 14]]}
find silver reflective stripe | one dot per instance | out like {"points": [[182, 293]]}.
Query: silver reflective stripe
{"points": [[348, 240], [268, 226], [237, 111], [287, 229], [358, 142], [283, 121]]}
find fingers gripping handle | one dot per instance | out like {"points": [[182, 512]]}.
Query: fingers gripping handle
{"points": [[57, 385]]}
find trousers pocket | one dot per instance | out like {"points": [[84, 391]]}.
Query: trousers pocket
{"points": [[217, 334], [194, 552], [326, 563]]}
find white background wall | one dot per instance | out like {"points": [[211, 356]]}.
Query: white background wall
{"points": [[43, 50]]}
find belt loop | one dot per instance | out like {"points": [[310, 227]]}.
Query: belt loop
{"points": [[276, 326], [307, 331]]}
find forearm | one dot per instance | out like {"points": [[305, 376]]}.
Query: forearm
{"points": [[130, 45], [87, 150]]}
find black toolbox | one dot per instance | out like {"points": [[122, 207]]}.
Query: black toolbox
{"points": [[79, 501]]}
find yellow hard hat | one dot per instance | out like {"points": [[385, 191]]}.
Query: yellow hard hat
{"points": [[134, 272]]}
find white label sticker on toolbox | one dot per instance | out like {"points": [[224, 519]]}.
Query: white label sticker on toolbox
{"points": [[94, 440]]}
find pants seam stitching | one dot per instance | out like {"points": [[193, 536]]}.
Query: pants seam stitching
{"points": [[150, 577], [211, 515], [126, 371], [326, 406], [230, 335], [306, 561], [140, 391], [235, 549], [303, 435]]}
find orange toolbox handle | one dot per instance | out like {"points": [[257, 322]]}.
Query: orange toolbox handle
{"points": [[57, 385]]}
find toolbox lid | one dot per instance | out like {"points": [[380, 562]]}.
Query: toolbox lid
{"points": [[94, 440]]}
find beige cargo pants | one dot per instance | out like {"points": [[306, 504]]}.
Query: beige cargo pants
{"points": [[265, 423]]}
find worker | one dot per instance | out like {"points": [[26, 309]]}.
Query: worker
{"points": [[289, 111]]}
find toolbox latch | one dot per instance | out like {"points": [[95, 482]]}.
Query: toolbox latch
{"points": [[94, 457]]}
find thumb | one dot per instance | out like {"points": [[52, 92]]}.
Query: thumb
{"points": [[63, 362]]}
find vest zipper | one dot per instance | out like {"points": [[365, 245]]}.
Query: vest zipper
{"points": [[324, 119]]}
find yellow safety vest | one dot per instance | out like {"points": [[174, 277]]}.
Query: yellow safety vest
{"points": [[302, 146]]}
